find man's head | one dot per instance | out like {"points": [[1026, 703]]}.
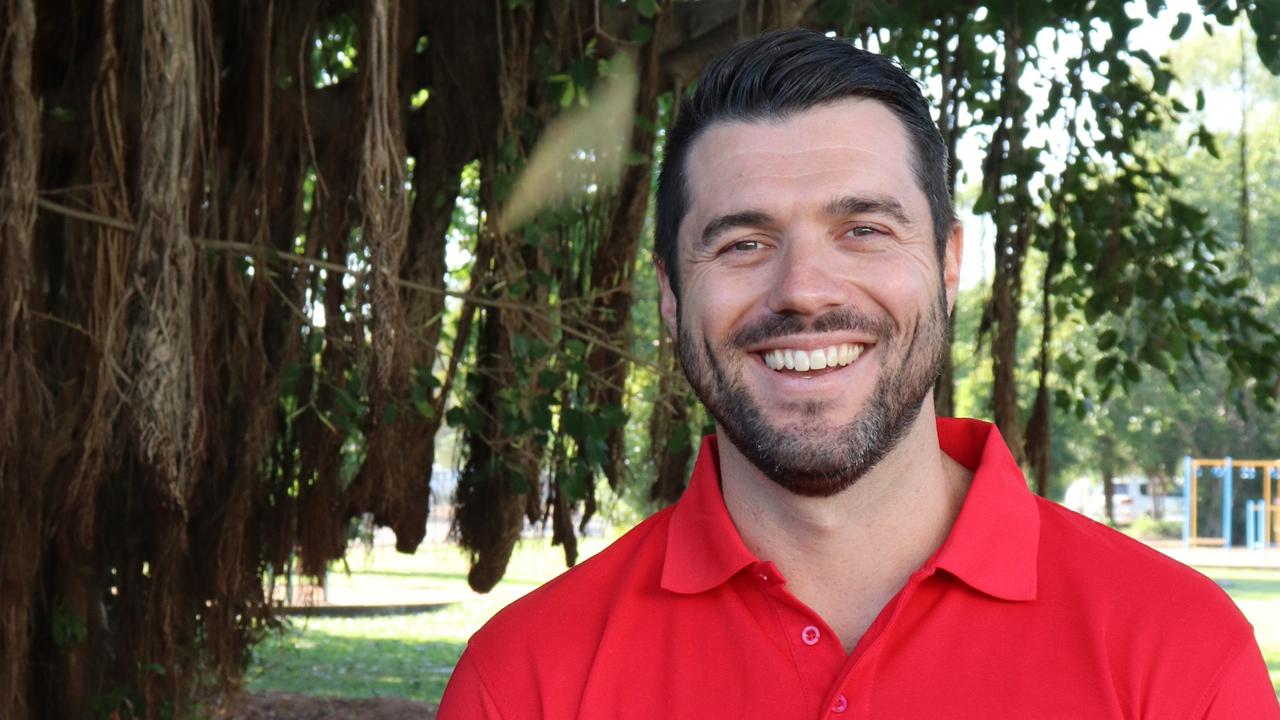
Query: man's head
{"points": [[775, 76], [808, 254]]}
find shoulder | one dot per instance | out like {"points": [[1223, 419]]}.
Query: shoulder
{"points": [[1113, 569], [1102, 561], [1144, 608], [574, 605], [535, 654]]}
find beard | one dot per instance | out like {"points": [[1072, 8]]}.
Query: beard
{"points": [[807, 457]]}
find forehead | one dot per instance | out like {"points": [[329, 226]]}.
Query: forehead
{"points": [[855, 146]]}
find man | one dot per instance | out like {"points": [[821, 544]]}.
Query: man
{"points": [[839, 550]]}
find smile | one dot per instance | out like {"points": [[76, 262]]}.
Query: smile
{"points": [[806, 360]]}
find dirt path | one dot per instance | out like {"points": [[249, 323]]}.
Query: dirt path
{"points": [[287, 706]]}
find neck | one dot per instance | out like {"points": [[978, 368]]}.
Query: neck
{"points": [[847, 555]]}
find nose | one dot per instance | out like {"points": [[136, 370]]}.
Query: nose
{"points": [[808, 282]]}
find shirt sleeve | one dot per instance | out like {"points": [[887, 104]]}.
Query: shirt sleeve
{"points": [[1245, 690], [466, 697]]}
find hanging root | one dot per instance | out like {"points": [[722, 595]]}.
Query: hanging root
{"points": [[23, 406], [164, 392]]}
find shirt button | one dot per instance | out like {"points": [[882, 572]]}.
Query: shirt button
{"points": [[840, 705], [810, 635], [764, 577]]}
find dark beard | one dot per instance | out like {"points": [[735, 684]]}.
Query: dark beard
{"points": [[812, 459]]}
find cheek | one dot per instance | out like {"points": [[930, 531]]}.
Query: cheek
{"points": [[901, 281], [713, 301]]}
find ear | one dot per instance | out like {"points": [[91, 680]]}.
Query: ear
{"points": [[952, 259], [667, 301]]}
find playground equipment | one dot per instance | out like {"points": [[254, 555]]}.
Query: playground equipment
{"points": [[1262, 516]]}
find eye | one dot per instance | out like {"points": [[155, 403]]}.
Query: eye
{"points": [[863, 231], [745, 246]]}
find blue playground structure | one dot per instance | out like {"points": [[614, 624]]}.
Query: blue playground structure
{"points": [[1261, 515]]}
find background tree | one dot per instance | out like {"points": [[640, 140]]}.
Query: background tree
{"points": [[256, 254]]}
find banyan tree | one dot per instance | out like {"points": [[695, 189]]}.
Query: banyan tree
{"points": [[229, 326]]}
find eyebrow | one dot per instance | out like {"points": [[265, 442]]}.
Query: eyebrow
{"points": [[858, 205], [724, 223], [837, 207]]}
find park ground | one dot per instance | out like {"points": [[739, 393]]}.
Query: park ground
{"points": [[395, 666]]}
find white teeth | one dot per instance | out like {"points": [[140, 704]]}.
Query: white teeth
{"points": [[820, 359]]}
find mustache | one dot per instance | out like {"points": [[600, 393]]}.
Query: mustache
{"points": [[775, 326]]}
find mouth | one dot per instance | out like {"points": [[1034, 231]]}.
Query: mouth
{"points": [[800, 361]]}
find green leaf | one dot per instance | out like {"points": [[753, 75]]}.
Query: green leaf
{"points": [[612, 416], [540, 417], [1132, 372], [647, 8], [347, 424], [509, 151], [573, 422], [1161, 78], [1181, 26], [456, 417], [425, 409], [549, 379], [1207, 141], [641, 33], [1107, 365], [347, 401], [1264, 17], [985, 202], [67, 628], [289, 377], [315, 342], [1107, 340]]}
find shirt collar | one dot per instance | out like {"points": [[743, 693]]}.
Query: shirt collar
{"points": [[995, 540], [992, 545], [704, 548]]}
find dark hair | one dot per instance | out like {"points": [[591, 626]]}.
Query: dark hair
{"points": [[786, 72]]}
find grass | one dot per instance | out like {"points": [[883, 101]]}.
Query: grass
{"points": [[407, 656], [411, 656], [1257, 593]]}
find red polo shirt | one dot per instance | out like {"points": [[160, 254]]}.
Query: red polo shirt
{"points": [[1027, 610]]}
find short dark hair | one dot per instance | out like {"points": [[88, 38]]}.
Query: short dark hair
{"points": [[779, 74]]}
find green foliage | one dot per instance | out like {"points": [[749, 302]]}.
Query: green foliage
{"points": [[67, 628], [333, 54]]}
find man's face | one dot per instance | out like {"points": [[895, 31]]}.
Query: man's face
{"points": [[812, 318]]}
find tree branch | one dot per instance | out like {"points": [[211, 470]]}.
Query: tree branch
{"points": [[258, 250]]}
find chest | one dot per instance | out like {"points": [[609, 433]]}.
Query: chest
{"points": [[764, 654]]}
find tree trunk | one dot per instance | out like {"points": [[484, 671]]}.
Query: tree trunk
{"points": [[1106, 447], [1013, 231], [21, 419]]}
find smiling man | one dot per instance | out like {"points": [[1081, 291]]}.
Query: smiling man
{"points": [[840, 551]]}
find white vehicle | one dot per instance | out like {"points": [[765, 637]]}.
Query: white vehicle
{"points": [[1132, 499]]}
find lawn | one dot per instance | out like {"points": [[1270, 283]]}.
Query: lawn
{"points": [[408, 656], [411, 656], [1257, 592]]}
